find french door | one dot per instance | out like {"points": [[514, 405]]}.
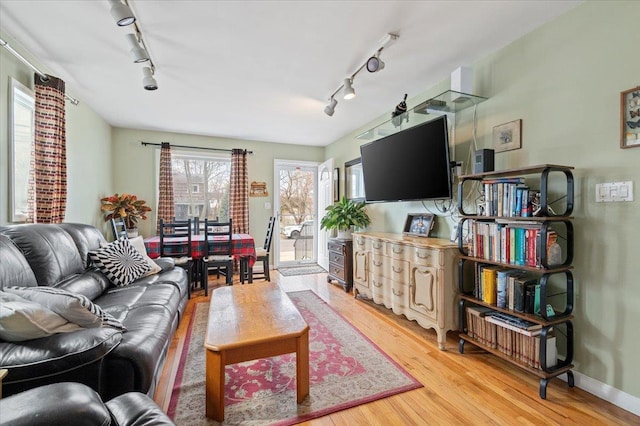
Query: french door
{"points": [[295, 205]]}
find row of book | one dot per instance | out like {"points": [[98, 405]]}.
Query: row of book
{"points": [[508, 288], [491, 329], [514, 243], [507, 197]]}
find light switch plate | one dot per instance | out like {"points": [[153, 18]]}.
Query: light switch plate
{"points": [[614, 192]]}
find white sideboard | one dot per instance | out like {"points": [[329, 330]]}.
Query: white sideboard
{"points": [[413, 276]]}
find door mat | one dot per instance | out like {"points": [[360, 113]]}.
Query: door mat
{"points": [[301, 270]]}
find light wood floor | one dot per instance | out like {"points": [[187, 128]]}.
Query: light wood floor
{"points": [[469, 388]]}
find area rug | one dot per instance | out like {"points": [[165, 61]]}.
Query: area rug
{"points": [[346, 369], [301, 270]]}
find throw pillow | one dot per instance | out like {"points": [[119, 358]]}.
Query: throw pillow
{"points": [[22, 320], [138, 243], [120, 262], [75, 308]]}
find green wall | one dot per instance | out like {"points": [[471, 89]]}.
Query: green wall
{"points": [[135, 170], [564, 81], [89, 170]]}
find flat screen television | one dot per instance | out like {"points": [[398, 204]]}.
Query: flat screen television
{"points": [[409, 165]]}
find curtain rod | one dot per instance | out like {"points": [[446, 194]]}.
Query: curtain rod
{"points": [[191, 147], [11, 50]]}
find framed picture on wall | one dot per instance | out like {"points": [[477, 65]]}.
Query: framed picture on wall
{"points": [[336, 185], [507, 136], [630, 118], [353, 180]]}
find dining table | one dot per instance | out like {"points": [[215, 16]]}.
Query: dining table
{"points": [[243, 246]]}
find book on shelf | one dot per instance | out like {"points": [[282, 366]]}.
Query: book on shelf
{"points": [[528, 330]]}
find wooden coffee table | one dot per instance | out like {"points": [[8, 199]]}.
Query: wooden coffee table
{"points": [[252, 322]]}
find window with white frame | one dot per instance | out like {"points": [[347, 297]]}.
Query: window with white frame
{"points": [[201, 185], [22, 127]]}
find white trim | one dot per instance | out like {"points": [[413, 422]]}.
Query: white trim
{"points": [[604, 391]]}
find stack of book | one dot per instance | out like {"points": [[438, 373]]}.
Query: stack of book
{"points": [[507, 288], [513, 336], [507, 197]]}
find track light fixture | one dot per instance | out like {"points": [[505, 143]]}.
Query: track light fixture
{"points": [[331, 108], [348, 91], [148, 81], [138, 53], [373, 64], [138, 48], [122, 13]]}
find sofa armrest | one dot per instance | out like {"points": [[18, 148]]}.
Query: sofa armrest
{"points": [[56, 404], [166, 263], [135, 408]]}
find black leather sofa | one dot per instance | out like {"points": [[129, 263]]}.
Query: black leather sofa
{"points": [[109, 361], [76, 404]]}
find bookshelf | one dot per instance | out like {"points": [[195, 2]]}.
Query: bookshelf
{"points": [[516, 260]]}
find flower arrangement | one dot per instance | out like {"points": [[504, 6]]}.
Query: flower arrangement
{"points": [[127, 206]]}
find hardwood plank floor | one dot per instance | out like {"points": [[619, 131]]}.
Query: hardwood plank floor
{"points": [[469, 388]]}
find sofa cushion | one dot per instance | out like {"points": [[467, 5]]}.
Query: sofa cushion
{"points": [[92, 283], [15, 268], [75, 308], [120, 262], [51, 252], [22, 319]]}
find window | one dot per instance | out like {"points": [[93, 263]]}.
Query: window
{"points": [[201, 186], [22, 127]]}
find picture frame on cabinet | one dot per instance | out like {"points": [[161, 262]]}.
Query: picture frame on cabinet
{"points": [[418, 224], [508, 136], [630, 118]]}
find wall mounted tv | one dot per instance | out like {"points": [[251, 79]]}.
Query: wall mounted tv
{"points": [[409, 165]]}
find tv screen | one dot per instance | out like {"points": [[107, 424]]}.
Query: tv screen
{"points": [[409, 165]]}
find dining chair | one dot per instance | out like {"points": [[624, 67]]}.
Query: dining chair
{"points": [[119, 228], [262, 255], [175, 242], [218, 237]]}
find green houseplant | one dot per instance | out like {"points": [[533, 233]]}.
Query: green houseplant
{"points": [[344, 215], [127, 206]]}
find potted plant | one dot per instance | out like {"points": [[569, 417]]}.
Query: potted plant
{"points": [[344, 215], [126, 206]]}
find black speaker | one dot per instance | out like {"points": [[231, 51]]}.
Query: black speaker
{"points": [[483, 160]]}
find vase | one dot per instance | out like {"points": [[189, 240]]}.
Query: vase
{"points": [[132, 232], [345, 234]]}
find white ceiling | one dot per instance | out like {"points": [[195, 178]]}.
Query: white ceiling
{"points": [[262, 70]]}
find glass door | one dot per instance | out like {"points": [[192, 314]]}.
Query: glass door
{"points": [[295, 206]]}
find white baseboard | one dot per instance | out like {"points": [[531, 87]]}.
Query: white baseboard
{"points": [[608, 393]]}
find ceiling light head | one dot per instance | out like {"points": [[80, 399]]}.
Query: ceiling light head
{"points": [[348, 91], [331, 108], [138, 53], [375, 64], [122, 13], [148, 81]]}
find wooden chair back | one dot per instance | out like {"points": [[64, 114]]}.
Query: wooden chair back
{"points": [[119, 228]]}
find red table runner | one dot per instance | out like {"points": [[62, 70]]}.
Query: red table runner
{"points": [[242, 246]]}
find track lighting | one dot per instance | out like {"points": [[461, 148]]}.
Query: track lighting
{"points": [[373, 64], [348, 91], [331, 108], [122, 13], [138, 53], [148, 81]]}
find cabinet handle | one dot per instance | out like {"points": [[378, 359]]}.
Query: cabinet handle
{"points": [[397, 250], [377, 245], [396, 293], [377, 284], [360, 241], [428, 255], [377, 263], [397, 271]]}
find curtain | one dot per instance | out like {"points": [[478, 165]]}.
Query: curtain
{"points": [[239, 192], [165, 188], [48, 191]]}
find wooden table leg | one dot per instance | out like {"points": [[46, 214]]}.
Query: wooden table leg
{"points": [[302, 366], [214, 396]]}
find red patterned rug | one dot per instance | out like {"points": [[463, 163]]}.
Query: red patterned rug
{"points": [[346, 369]]}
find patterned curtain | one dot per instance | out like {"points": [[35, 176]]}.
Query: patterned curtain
{"points": [[48, 194], [165, 188], [239, 192]]}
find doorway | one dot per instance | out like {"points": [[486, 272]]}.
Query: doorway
{"points": [[295, 205]]}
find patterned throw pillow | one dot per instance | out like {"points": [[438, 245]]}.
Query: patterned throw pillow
{"points": [[75, 308], [120, 262]]}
